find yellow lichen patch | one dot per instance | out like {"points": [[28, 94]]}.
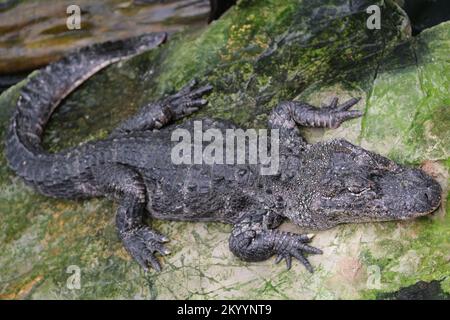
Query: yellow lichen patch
{"points": [[23, 291], [122, 254], [243, 41]]}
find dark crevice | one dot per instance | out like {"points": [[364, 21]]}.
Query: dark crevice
{"points": [[426, 13], [218, 7], [9, 80], [420, 291]]}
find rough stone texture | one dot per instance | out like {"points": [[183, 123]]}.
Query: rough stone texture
{"points": [[258, 54]]}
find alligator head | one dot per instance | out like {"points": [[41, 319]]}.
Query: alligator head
{"points": [[349, 184]]}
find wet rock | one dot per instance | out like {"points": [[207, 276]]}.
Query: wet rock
{"points": [[33, 33]]}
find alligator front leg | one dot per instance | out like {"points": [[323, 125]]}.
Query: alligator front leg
{"points": [[158, 114], [126, 185], [254, 241], [288, 115]]}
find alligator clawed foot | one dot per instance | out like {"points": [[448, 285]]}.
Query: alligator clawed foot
{"points": [[341, 112], [188, 100], [296, 247], [142, 244]]}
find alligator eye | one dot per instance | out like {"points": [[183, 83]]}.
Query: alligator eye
{"points": [[375, 174], [354, 190], [357, 190]]}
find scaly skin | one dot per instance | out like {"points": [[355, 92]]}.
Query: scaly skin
{"points": [[318, 186]]}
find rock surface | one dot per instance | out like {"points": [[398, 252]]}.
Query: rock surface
{"points": [[256, 55]]}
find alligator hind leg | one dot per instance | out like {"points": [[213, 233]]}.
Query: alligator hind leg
{"points": [[158, 114], [126, 185], [252, 240]]}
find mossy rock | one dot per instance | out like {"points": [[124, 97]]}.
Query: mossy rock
{"points": [[256, 55]]}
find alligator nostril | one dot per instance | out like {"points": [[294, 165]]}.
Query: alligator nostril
{"points": [[432, 197]]}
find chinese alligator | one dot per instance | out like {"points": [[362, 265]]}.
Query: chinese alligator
{"points": [[317, 185]]}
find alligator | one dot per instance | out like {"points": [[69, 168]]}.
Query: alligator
{"points": [[317, 186]]}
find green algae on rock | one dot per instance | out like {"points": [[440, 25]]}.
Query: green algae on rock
{"points": [[256, 55]]}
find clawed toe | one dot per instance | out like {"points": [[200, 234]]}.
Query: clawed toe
{"points": [[146, 258], [297, 248], [347, 104], [298, 254], [334, 105], [300, 257], [199, 92], [188, 100], [186, 89], [284, 256], [338, 113], [190, 92], [142, 244]]}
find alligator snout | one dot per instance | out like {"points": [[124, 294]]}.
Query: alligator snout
{"points": [[430, 199], [417, 194]]}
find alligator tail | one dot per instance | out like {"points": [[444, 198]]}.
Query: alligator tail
{"points": [[48, 172]]}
